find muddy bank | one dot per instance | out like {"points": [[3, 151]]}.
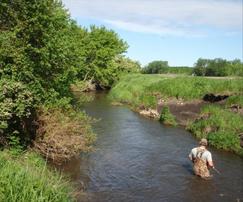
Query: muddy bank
{"points": [[184, 112]]}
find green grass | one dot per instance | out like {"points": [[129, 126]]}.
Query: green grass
{"points": [[221, 127], [137, 89], [26, 178], [235, 100]]}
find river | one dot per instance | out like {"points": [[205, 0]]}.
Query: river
{"points": [[138, 159]]}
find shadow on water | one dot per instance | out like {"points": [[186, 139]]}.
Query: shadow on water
{"points": [[138, 159], [188, 168]]}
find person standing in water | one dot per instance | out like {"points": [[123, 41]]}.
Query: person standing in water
{"points": [[201, 159]]}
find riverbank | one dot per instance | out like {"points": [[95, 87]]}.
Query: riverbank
{"points": [[187, 99]]}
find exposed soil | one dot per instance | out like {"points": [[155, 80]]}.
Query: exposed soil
{"points": [[184, 112]]}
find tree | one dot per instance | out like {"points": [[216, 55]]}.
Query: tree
{"points": [[127, 65], [218, 67], [155, 67], [200, 67], [39, 58], [102, 46]]}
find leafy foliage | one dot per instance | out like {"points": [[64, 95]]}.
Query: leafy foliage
{"points": [[101, 48], [16, 110], [156, 67], [42, 52], [166, 117]]}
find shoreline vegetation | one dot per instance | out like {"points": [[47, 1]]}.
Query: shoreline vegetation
{"points": [[208, 107], [26, 177]]}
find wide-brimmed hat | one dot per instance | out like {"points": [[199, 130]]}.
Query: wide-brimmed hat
{"points": [[203, 142]]}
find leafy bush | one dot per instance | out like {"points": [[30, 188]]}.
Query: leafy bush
{"points": [[166, 117], [16, 110]]}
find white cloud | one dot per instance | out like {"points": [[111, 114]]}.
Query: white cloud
{"points": [[163, 17]]}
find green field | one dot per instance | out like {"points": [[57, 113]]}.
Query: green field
{"points": [[137, 89]]}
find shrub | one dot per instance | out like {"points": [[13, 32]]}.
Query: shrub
{"points": [[16, 111], [166, 117], [63, 134]]}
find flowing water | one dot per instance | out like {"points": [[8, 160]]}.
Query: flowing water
{"points": [[138, 159]]}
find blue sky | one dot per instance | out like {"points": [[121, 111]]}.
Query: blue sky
{"points": [[178, 31]]}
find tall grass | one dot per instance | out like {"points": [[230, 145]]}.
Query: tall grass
{"points": [[26, 178], [235, 100], [132, 89], [221, 127], [145, 90]]}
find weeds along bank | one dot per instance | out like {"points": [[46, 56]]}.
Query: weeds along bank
{"points": [[25, 177], [211, 107]]}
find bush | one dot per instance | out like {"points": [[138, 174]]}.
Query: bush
{"points": [[16, 111], [63, 134], [166, 117]]}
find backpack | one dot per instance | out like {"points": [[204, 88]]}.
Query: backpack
{"points": [[200, 166]]}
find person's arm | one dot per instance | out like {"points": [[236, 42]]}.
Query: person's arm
{"points": [[210, 164], [210, 161], [191, 156]]}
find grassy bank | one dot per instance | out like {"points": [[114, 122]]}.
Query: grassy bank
{"points": [[219, 124], [145, 90], [26, 178]]}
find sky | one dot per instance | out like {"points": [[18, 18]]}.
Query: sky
{"points": [[177, 31]]}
